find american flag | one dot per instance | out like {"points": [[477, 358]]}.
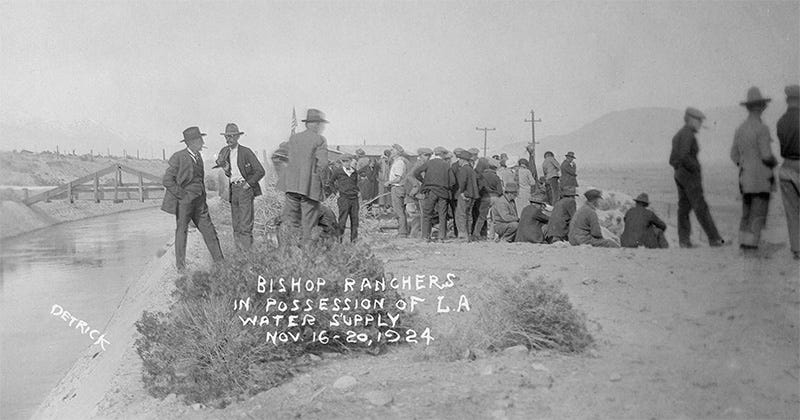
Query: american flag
{"points": [[294, 120]]}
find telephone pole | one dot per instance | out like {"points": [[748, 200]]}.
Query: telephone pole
{"points": [[485, 130], [532, 147]]}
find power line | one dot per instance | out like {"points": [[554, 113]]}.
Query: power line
{"points": [[485, 130]]}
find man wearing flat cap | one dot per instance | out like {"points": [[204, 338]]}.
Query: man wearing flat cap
{"points": [[437, 180], [643, 227], [789, 173], [584, 228], [688, 178], [466, 193], [186, 196], [505, 219], [308, 161], [345, 182], [752, 153], [244, 172]]}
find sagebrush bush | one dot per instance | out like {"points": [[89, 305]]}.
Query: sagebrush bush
{"points": [[200, 348]]}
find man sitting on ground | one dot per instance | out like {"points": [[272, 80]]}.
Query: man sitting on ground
{"points": [[504, 214], [533, 221], [643, 227], [585, 226]]}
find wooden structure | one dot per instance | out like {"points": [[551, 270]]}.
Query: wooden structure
{"points": [[91, 184]]}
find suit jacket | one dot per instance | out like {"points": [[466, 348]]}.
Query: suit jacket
{"points": [[637, 221], [439, 177], [683, 156], [531, 224], [569, 175], [562, 213], [248, 164], [308, 160], [752, 153], [177, 177]]}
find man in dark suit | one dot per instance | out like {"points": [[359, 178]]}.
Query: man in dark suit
{"points": [[437, 184], [683, 159], [569, 173], [243, 184], [345, 182], [186, 196], [303, 177], [643, 227]]}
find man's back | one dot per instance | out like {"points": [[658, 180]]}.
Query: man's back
{"points": [[637, 221], [308, 157], [560, 217]]}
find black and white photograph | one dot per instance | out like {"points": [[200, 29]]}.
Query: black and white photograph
{"points": [[399, 209]]}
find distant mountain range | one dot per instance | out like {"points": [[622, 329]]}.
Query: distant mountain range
{"points": [[84, 136], [643, 135]]}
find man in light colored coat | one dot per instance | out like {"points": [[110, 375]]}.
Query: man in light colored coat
{"points": [[308, 160], [751, 152], [504, 214], [552, 173]]}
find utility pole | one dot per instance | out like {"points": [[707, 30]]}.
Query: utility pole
{"points": [[532, 148], [485, 130]]}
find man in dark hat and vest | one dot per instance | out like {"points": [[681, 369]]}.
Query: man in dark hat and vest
{"points": [[244, 172], [437, 183], [563, 211], [643, 227], [532, 220], [584, 228], [569, 171], [688, 178], [186, 196], [752, 153], [304, 176], [789, 173]]}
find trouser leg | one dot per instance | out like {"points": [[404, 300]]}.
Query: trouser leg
{"points": [[414, 217], [202, 220], [791, 205], [441, 206], [242, 214], [694, 190], [684, 210], [398, 205], [483, 212], [462, 215], [428, 212], [555, 190], [344, 210], [354, 208], [291, 210], [754, 217], [309, 216], [182, 219]]}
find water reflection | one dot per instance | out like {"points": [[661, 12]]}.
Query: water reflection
{"points": [[83, 266]]}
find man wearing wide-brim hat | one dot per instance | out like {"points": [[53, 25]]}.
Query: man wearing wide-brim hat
{"points": [[437, 185], [789, 173], [243, 184], [185, 196], [752, 153], [305, 173], [688, 179], [643, 227], [533, 221], [584, 228]]}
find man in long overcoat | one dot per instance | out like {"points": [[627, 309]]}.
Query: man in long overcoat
{"points": [[243, 184], [308, 160], [751, 152], [186, 196]]}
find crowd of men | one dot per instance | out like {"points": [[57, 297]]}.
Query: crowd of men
{"points": [[484, 197]]}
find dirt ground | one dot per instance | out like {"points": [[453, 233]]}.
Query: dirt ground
{"points": [[679, 333]]}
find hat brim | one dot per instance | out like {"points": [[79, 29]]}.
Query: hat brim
{"points": [[231, 134], [642, 201], [759, 101], [193, 138], [313, 121]]}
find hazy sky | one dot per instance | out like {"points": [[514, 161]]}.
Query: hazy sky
{"points": [[417, 73]]}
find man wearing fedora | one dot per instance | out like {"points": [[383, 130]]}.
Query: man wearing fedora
{"points": [[643, 227], [532, 220], [683, 158], [243, 176], [789, 173], [752, 153], [561, 216], [303, 179], [569, 171], [186, 196]]}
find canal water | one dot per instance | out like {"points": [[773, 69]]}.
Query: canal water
{"points": [[85, 268]]}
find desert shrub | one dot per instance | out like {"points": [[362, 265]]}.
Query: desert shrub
{"points": [[202, 350]]}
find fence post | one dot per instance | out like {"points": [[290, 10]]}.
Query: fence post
{"points": [[141, 189], [116, 186]]}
